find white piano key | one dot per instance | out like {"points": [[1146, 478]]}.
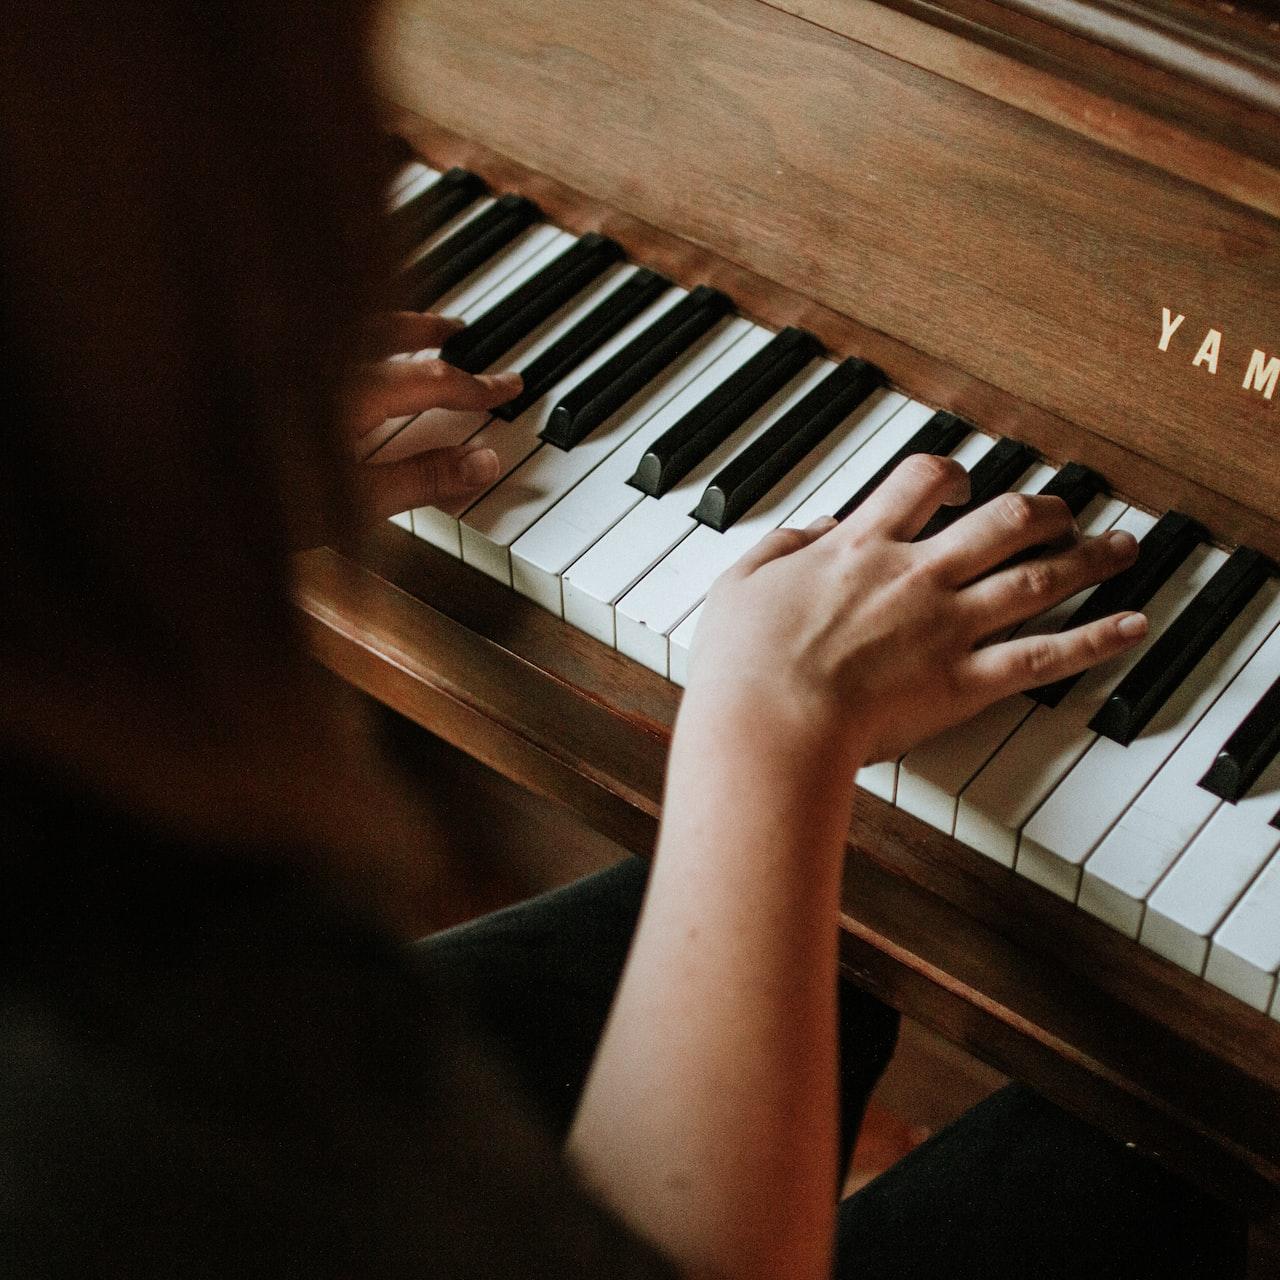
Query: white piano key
{"points": [[494, 521], [1124, 869], [931, 777], [1212, 873], [1074, 737], [1245, 953], [681, 642], [1049, 741], [851, 475], [653, 608], [411, 181], [552, 474], [1078, 814], [509, 268], [881, 779], [595, 583], [528, 253], [569, 529], [448, 303], [404, 519], [444, 231]]}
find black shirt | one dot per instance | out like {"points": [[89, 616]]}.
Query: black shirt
{"points": [[210, 1068]]}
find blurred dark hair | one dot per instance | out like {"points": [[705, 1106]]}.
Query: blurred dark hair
{"points": [[189, 239]]}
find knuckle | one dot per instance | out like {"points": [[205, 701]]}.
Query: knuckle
{"points": [[1016, 510], [1036, 580], [927, 569], [785, 540], [929, 469], [1093, 644], [1040, 660]]}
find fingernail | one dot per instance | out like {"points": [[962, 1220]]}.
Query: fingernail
{"points": [[511, 382], [480, 467], [1132, 625], [1120, 543], [454, 322], [824, 524]]}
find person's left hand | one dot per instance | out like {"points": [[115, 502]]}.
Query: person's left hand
{"points": [[389, 388]]}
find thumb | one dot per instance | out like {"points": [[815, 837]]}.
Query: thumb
{"points": [[431, 479]]}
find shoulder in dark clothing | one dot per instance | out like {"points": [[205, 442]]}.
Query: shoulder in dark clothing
{"points": [[211, 1069]]}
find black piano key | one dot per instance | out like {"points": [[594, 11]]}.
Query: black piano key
{"points": [[1160, 553], [993, 474], [605, 390], [706, 426], [939, 435], [470, 247], [586, 337], [428, 211], [749, 476], [1248, 751], [1185, 641], [510, 321], [1275, 822], [1076, 485]]}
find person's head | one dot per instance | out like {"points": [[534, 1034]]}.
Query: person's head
{"points": [[189, 237]]}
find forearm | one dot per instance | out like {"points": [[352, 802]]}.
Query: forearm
{"points": [[710, 1117]]}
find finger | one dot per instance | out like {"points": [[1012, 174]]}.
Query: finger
{"points": [[394, 332], [781, 542], [1022, 591], [902, 505], [427, 479], [1014, 666], [997, 531], [397, 387]]}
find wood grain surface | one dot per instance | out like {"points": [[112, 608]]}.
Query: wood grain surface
{"points": [[1144, 110], [1002, 245]]}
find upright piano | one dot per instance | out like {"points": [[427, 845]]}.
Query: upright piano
{"points": [[748, 253]]}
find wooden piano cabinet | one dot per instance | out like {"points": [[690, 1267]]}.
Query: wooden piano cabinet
{"points": [[997, 201], [1027, 253], [996, 964]]}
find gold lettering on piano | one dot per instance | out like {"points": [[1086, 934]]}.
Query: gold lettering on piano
{"points": [[1168, 327], [1209, 351], [1262, 374]]}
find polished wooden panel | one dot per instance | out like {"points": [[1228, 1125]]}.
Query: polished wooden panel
{"points": [[1153, 113], [1002, 245], [1040, 990]]}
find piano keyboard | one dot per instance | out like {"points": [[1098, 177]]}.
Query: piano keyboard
{"points": [[660, 435]]}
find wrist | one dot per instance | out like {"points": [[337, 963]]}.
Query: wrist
{"points": [[776, 719]]}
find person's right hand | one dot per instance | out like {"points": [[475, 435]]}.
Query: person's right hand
{"points": [[853, 632]]}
